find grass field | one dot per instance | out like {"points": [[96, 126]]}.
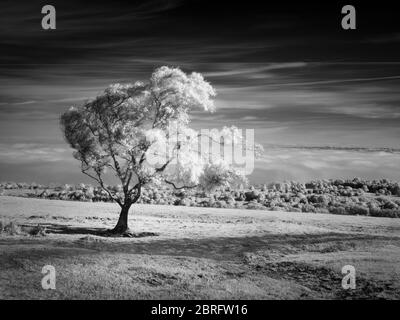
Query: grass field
{"points": [[195, 253]]}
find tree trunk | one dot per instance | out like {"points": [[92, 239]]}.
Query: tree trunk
{"points": [[122, 224], [122, 228]]}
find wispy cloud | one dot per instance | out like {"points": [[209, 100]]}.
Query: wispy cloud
{"points": [[233, 70], [335, 81], [301, 164], [31, 152], [272, 69]]}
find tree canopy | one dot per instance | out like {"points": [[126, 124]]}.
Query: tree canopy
{"points": [[140, 132]]}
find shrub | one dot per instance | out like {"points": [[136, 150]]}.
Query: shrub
{"points": [[256, 206], [182, 202], [308, 208], [358, 210], [220, 204], [390, 205], [251, 195], [10, 228], [37, 231], [337, 210], [386, 213]]}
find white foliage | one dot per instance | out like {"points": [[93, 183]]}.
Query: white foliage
{"points": [[142, 128], [219, 173]]}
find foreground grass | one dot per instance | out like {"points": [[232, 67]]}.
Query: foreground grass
{"points": [[198, 253]]}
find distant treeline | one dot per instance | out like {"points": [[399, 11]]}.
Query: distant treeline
{"points": [[379, 198]]}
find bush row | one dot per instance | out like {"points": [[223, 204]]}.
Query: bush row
{"points": [[355, 197]]}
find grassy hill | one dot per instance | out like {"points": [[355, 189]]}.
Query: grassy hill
{"points": [[192, 253]]}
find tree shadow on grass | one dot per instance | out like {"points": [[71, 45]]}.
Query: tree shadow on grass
{"points": [[272, 246], [51, 228]]}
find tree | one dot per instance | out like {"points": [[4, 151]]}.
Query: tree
{"points": [[140, 133]]}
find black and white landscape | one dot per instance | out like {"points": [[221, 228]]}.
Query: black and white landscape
{"points": [[199, 150]]}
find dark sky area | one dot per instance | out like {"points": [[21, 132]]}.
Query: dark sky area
{"points": [[286, 69]]}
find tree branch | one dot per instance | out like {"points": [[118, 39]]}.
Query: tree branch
{"points": [[183, 187], [99, 180]]}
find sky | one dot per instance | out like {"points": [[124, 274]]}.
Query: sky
{"points": [[324, 102]]}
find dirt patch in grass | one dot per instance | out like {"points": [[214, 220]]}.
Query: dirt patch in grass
{"points": [[326, 282]]}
